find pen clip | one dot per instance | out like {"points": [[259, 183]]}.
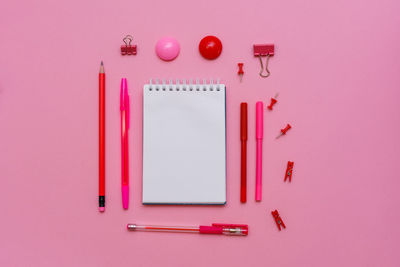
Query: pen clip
{"points": [[127, 107], [122, 95], [124, 101], [243, 121], [222, 225]]}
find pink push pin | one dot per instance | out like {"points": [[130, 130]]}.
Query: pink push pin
{"points": [[167, 48]]}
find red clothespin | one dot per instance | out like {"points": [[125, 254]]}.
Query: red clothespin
{"points": [[273, 102], [261, 50], [278, 219], [289, 171], [284, 130], [240, 72], [128, 48]]}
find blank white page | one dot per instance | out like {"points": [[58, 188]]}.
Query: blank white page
{"points": [[184, 144]]}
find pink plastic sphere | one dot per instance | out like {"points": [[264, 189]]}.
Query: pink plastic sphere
{"points": [[167, 48]]}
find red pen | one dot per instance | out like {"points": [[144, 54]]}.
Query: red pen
{"points": [[102, 102], [243, 159]]}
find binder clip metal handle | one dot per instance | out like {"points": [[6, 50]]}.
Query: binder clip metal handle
{"points": [[266, 50]]}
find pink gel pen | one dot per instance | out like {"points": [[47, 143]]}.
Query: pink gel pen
{"points": [[215, 228], [259, 138]]}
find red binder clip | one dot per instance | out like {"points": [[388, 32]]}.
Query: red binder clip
{"points": [[273, 102], [278, 219], [264, 50], [289, 171], [128, 48], [284, 130], [240, 72]]}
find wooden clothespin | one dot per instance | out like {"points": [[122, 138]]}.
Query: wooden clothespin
{"points": [[278, 219], [289, 171]]}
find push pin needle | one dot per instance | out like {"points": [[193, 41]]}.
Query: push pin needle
{"points": [[284, 130]]}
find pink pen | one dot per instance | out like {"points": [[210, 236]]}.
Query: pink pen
{"points": [[124, 106], [259, 138], [215, 228]]}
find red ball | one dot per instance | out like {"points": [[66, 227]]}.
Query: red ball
{"points": [[210, 47]]}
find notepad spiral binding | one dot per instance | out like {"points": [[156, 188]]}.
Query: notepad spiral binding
{"points": [[184, 85]]}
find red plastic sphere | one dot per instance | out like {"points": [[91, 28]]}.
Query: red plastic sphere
{"points": [[210, 47]]}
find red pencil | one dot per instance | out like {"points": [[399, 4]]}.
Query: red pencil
{"points": [[102, 103], [243, 160]]}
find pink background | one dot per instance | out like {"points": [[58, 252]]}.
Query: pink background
{"points": [[336, 68]]}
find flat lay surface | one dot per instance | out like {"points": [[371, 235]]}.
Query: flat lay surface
{"points": [[336, 69]]}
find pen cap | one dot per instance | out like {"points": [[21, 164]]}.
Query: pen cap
{"points": [[243, 121], [225, 229], [233, 229], [259, 120]]}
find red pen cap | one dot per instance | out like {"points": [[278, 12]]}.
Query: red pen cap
{"points": [[243, 121]]}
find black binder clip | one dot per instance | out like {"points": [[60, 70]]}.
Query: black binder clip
{"points": [[128, 48]]}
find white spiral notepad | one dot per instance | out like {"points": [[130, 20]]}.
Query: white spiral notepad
{"points": [[184, 143]]}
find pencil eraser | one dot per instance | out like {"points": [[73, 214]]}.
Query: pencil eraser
{"points": [[101, 209]]}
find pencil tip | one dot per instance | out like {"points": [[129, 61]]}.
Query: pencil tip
{"points": [[101, 67]]}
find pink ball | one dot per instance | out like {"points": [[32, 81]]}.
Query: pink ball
{"points": [[167, 48]]}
